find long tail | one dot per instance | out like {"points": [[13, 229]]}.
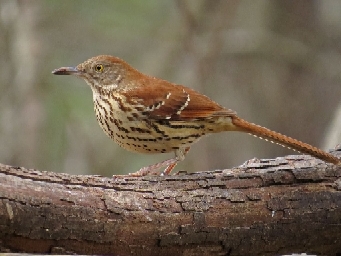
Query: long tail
{"points": [[283, 140]]}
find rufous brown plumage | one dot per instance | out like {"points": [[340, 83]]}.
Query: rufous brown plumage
{"points": [[149, 115]]}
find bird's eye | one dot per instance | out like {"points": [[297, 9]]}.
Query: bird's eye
{"points": [[99, 68]]}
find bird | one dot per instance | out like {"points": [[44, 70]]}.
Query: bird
{"points": [[145, 114]]}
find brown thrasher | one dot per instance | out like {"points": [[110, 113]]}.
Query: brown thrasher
{"points": [[149, 115]]}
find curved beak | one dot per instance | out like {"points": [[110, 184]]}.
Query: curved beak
{"points": [[66, 71]]}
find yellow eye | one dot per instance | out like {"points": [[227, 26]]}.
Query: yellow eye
{"points": [[99, 68]]}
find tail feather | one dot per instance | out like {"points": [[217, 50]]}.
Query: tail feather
{"points": [[283, 140]]}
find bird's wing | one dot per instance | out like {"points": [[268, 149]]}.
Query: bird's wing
{"points": [[164, 100]]}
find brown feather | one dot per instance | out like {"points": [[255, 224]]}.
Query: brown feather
{"points": [[174, 102]]}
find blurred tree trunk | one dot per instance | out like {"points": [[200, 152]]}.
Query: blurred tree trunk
{"points": [[264, 207], [20, 103]]}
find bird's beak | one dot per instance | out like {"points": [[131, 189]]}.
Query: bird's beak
{"points": [[66, 71]]}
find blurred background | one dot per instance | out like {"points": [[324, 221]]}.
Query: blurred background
{"points": [[277, 63]]}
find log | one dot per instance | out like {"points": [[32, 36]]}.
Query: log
{"points": [[263, 207]]}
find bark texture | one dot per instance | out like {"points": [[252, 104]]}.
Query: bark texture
{"points": [[263, 207]]}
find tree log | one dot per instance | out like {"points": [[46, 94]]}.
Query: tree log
{"points": [[263, 207]]}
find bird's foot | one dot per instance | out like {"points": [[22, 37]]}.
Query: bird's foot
{"points": [[154, 169]]}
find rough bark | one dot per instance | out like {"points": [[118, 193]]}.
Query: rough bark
{"points": [[263, 207]]}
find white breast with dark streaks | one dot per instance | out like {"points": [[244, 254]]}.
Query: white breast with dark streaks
{"points": [[136, 133]]}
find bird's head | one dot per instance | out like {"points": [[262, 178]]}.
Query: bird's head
{"points": [[102, 73]]}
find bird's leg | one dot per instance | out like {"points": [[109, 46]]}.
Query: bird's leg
{"points": [[179, 156], [170, 163]]}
